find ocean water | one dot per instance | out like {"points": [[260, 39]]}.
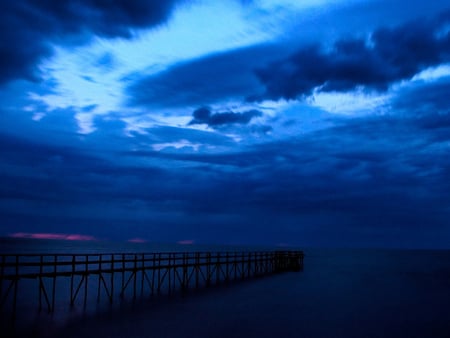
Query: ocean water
{"points": [[339, 293]]}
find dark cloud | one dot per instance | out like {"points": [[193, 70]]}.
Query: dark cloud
{"points": [[205, 116], [275, 71], [439, 121], [210, 79], [423, 97], [426, 104], [58, 176], [366, 176], [391, 55], [28, 28]]}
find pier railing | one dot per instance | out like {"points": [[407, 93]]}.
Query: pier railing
{"points": [[127, 275]]}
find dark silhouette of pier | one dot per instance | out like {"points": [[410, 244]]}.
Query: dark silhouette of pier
{"points": [[42, 279]]}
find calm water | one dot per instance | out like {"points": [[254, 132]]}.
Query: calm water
{"points": [[340, 293]]}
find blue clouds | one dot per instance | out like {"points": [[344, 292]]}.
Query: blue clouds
{"points": [[274, 71], [33, 26], [390, 55], [341, 140], [369, 173], [423, 97], [213, 78]]}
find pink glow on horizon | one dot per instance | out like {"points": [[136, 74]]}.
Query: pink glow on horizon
{"points": [[66, 237], [186, 242], [137, 240]]}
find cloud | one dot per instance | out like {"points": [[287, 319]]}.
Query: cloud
{"points": [[424, 104], [360, 178], [276, 71], [29, 28], [390, 55], [423, 97], [220, 77], [357, 178], [203, 115]]}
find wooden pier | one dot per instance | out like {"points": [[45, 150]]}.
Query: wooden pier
{"points": [[80, 279]]}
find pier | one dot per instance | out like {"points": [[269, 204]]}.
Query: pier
{"points": [[78, 280]]}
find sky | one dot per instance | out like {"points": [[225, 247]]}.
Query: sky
{"points": [[245, 122]]}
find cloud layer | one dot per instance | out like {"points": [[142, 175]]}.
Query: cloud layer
{"points": [[328, 137]]}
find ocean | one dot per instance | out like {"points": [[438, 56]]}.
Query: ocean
{"points": [[339, 293]]}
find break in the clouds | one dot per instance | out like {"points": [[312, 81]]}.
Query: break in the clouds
{"points": [[237, 122]]}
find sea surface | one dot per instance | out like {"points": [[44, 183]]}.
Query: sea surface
{"points": [[339, 293]]}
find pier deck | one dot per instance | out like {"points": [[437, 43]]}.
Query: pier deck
{"points": [[126, 275]]}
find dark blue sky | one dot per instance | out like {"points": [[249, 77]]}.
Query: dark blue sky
{"points": [[311, 123]]}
